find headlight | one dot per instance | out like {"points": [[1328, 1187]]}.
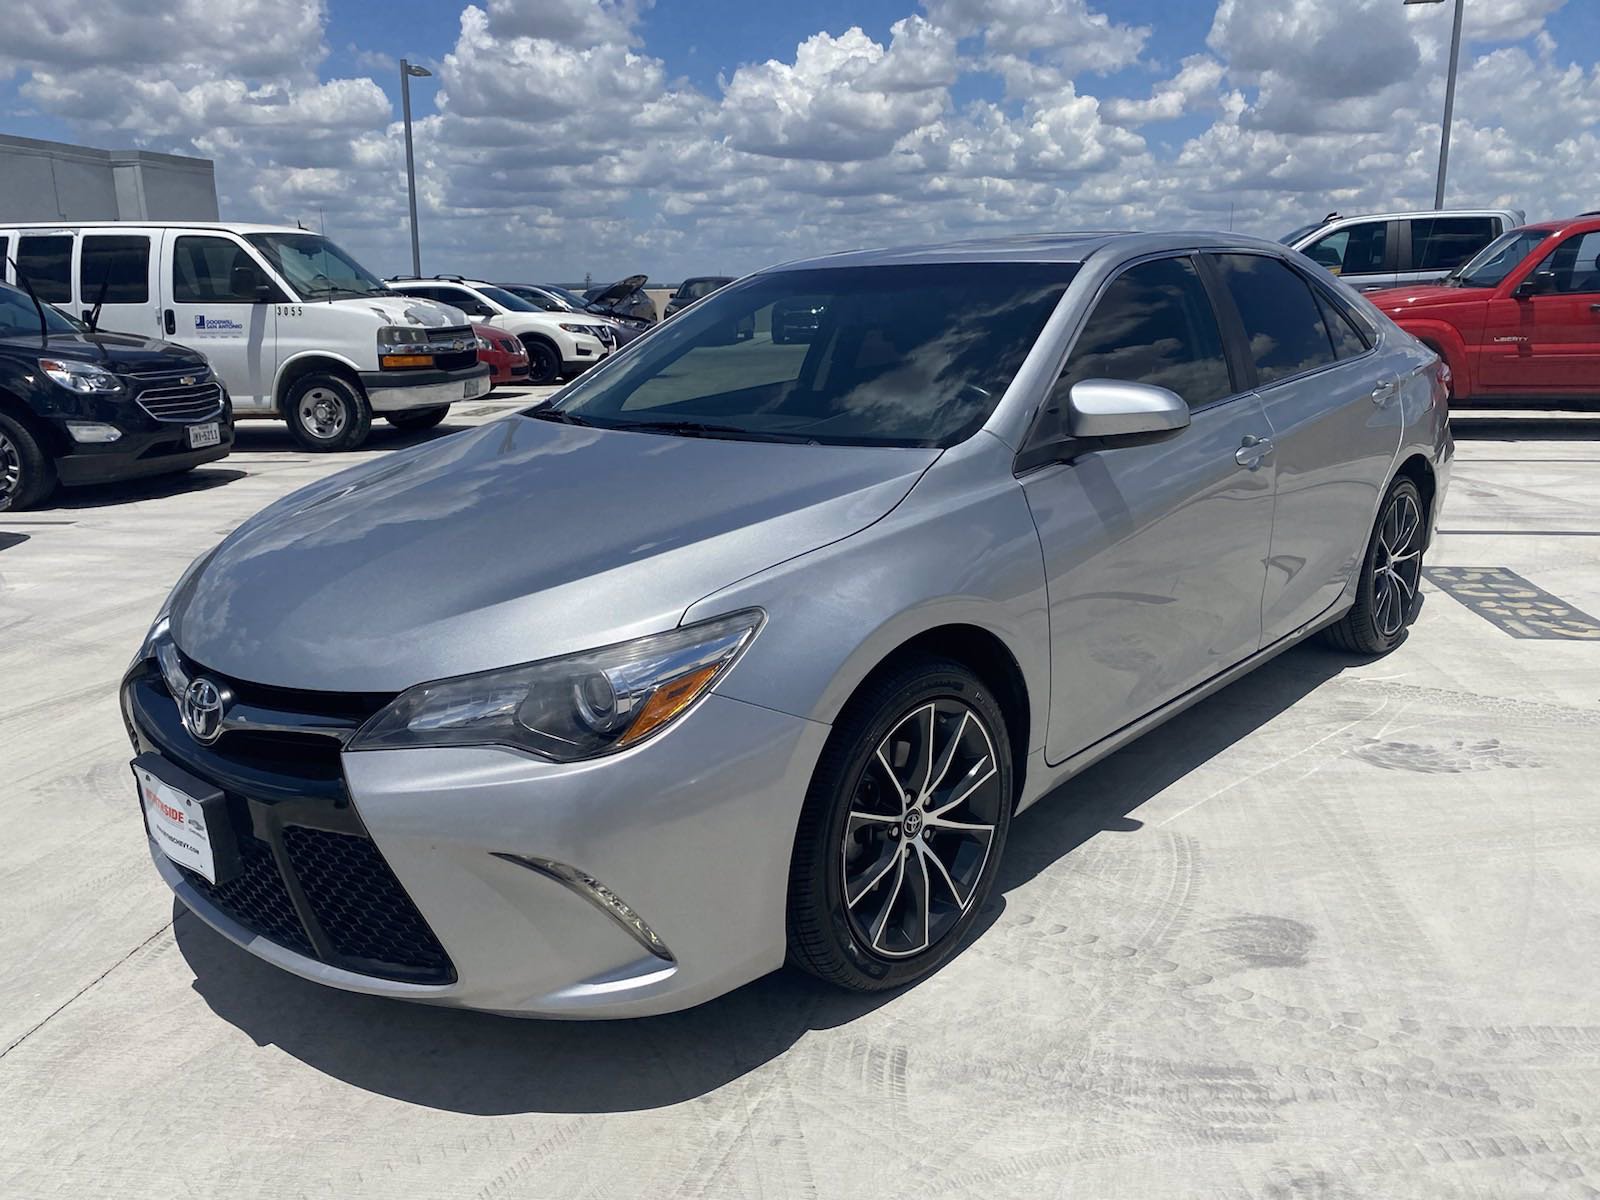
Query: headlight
{"points": [[569, 708], [574, 327], [483, 344], [80, 376], [399, 337]]}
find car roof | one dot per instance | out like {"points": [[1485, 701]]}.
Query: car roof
{"points": [[1075, 247], [1585, 224], [1421, 212]]}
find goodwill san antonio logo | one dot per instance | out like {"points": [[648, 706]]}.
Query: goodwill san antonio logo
{"points": [[205, 324]]}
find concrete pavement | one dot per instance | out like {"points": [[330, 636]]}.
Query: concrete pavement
{"points": [[1331, 933]]}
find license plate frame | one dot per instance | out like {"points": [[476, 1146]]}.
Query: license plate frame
{"points": [[187, 818], [477, 386], [205, 435]]}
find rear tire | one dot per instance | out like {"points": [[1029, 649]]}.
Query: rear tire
{"points": [[889, 872], [1391, 576], [418, 419], [544, 362], [327, 413], [27, 473]]}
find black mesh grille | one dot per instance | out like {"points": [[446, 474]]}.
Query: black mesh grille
{"points": [[359, 903], [257, 899]]}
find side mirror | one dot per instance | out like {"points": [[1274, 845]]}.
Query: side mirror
{"points": [[1540, 283], [1113, 412]]}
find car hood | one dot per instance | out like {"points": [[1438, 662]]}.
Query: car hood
{"points": [[1406, 299], [516, 541], [116, 351], [621, 289]]}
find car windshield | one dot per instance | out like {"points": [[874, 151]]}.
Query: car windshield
{"points": [[871, 356], [1290, 239], [315, 267], [19, 316], [697, 288], [1498, 259], [509, 300]]}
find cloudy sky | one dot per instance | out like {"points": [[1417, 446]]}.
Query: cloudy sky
{"points": [[560, 138]]}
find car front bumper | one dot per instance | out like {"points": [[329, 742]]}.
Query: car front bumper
{"points": [[400, 391], [138, 454], [692, 831]]}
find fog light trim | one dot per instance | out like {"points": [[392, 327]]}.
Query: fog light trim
{"points": [[93, 432], [597, 894]]}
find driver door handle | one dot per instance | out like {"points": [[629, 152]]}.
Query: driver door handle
{"points": [[1253, 451]]}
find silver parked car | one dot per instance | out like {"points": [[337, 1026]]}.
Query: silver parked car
{"points": [[1400, 249], [743, 650]]}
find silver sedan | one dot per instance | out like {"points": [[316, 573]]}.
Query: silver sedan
{"points": [[748, 648]]}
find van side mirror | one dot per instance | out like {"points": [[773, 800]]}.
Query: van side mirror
{"points": [[1540, 283]]}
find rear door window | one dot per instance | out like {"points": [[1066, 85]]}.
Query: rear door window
{"points": [[120, 263], [1282, 320], [1348, 341], [1444, 243], [47, 264], [1154, 325], [1353, 250]]}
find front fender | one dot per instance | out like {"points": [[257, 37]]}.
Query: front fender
{"points": [[961, 549]]}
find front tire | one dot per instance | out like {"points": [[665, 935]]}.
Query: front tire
{"points": [[327, 413], [902, 829], [1391, 574], [27, 473], [418, 419], [544, 362]]}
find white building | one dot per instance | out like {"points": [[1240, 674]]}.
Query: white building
{"points": [[46, 181]]}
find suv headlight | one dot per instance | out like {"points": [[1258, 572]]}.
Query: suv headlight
{"points": [[574, 327], [80, 376], [578, 706], [484, 343]]}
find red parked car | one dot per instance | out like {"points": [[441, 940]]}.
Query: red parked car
{"points": [[506, 356], [1520, 321]]}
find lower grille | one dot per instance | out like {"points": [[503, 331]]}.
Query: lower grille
{"points": [[360, 904], [257, 899]]}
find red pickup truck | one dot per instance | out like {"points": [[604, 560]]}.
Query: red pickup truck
{"points": [[1520, 321]]}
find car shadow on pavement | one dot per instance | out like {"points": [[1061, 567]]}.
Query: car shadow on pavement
{"points": [[487, 1065], [155, 487], [273, 437]]}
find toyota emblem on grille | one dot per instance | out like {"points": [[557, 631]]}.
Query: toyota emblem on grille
{"points": [[202, 707]]}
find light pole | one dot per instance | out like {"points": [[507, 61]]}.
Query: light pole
{"points": [[1449, 98], [407, 70]]}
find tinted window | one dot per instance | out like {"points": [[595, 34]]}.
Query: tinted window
{"points": [[1347, 339], [119, 263], [202, 271], [908, 355], [1576, 263], [47, 262], [1280, 316], [1444, 243], [1355, 250], [1499, 258], [1154, 325], [697, 289], [20, 316]]}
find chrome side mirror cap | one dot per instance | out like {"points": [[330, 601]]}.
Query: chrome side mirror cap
{"points": [[1113, 409]]}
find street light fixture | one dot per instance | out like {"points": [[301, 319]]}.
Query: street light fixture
{"points": [[1449, 98], [407, 71]]}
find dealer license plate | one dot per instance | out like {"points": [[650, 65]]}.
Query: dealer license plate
{"points": [[177, 822], [475, 387], [209, 434]]}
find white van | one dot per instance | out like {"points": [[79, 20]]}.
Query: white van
{"points": [[293, 325]]}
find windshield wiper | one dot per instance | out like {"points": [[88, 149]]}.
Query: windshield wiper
{"points": [[708, 429], [555, 414]]}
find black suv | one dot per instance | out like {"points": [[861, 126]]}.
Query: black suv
{"points": [[694, 289], [82, 406]]}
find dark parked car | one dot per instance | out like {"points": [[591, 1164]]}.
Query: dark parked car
{"points": [[694, 289], [78, 405], [624, 298], [796, 320]]}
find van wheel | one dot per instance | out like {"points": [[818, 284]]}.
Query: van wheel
{"points": [[902, 828], [1391, 574], [327, 412], [27, 474], [544, 363], [418, 419]]}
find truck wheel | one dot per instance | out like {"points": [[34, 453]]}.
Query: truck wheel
{"points": [[327, 412], [27, 474], [544, 363], [418, 419]]}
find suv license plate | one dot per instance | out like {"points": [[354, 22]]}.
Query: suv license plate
{"points": [[205, 435], [475, 387]]}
